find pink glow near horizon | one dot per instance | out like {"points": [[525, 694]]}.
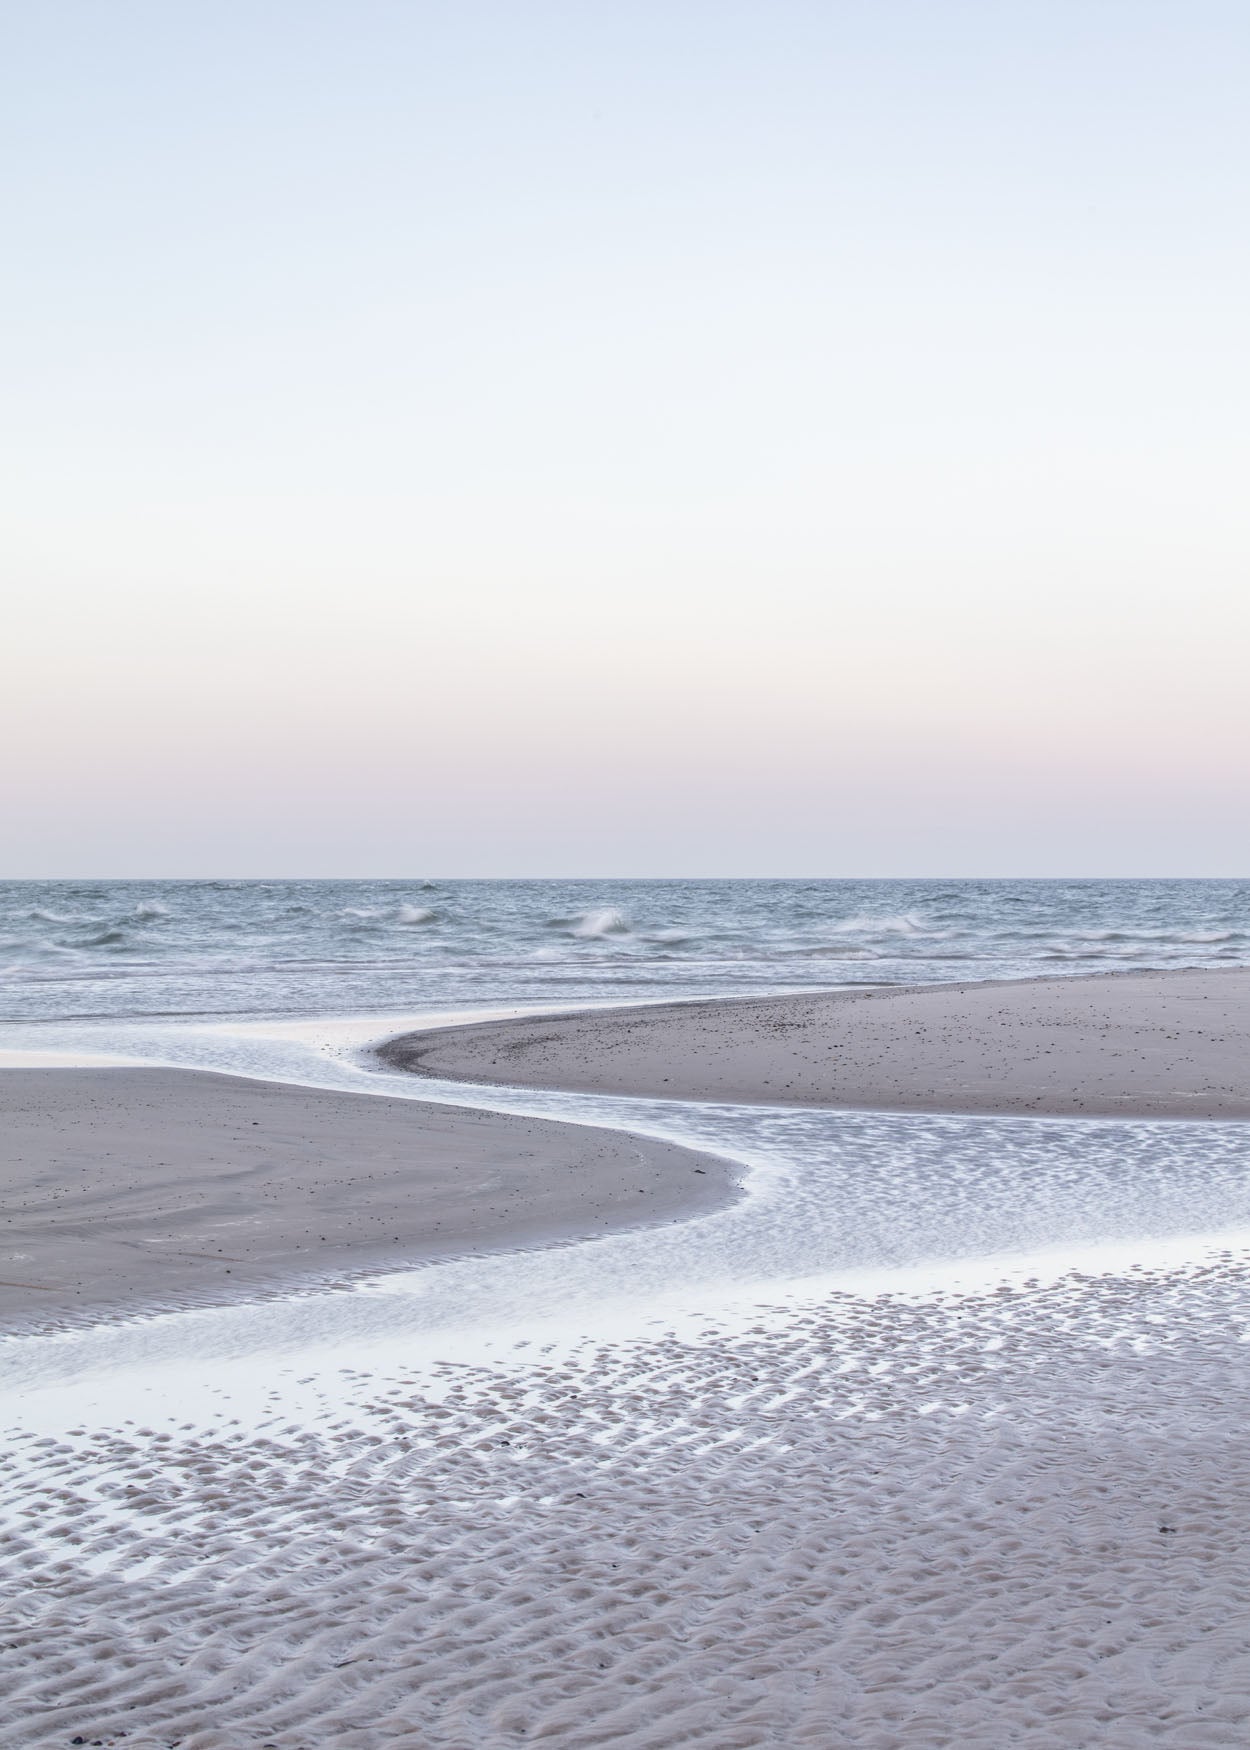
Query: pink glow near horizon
{"points": [[704, 442]]}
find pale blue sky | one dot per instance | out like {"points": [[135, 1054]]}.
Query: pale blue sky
{"points": [[615, 438]]}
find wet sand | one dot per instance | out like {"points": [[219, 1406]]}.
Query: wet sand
{"points": [[131, 1189], [875, 1524], [878, 1522], [1149, 1044]]}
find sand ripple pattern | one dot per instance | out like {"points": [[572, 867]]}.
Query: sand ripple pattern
{"points": [[1017, 1518]]}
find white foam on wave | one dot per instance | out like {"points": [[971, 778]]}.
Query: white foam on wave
{"points": [[1127, 933], [416, 914], [902, 924], [151, 908], [603, 921]]}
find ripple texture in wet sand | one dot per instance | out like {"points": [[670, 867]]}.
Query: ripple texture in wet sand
{"points": [[1012, 1518]]}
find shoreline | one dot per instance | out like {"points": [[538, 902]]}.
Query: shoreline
{"points": [[138, 1190], [1010, 1513], [1135, 1044], [135, 1189]]}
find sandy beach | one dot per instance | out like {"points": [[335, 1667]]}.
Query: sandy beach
{"points": [[625, 898], [1148, 1044], [882, 1518], [129, 1189]]}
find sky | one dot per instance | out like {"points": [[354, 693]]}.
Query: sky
{"points": [[622, 438]]}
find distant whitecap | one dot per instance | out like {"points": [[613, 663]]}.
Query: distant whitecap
{"points": [[602, 922], [908, 924]]}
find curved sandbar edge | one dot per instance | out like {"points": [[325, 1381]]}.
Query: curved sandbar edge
{"points": [[137, 1189], [1170, 1044]]}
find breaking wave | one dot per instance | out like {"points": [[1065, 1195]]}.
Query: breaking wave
{"points": [[604, 921], [906, 925]]}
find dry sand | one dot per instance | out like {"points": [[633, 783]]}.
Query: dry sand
{"points": [[1150, 1044], [125, 1189]]}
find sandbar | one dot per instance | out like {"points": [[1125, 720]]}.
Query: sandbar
{"points": [[135, 1189], [1172, 1044]]}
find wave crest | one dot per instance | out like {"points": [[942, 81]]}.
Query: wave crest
{"points": [[904, 924], [602, 921]]}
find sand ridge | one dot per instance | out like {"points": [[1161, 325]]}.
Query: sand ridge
{"points": [[1152, 1044]]}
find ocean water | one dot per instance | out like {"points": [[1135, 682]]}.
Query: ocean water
{"points": [[125, 950]]}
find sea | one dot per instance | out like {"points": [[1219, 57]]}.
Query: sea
{"points": [[96, 952]]}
